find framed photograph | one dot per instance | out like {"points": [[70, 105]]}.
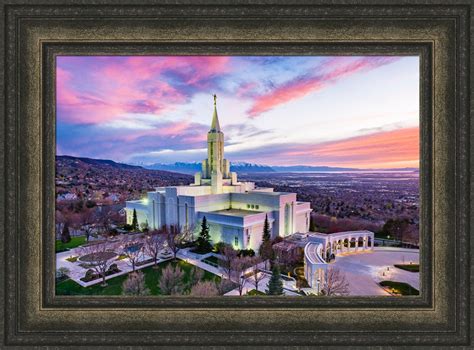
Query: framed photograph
{"points": [[232, 174]]}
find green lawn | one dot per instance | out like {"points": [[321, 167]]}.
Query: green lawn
{"points": [[75, 242], [409, 267], [114, 285], [400, 288]]}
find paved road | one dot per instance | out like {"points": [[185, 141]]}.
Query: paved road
{"points": [[364, 270]]}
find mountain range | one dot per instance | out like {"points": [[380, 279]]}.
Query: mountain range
{"points": [[242, 167]]}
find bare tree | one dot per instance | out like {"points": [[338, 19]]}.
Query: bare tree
{"points": [[135, 284], [60, 222], [335, 283], [87, 220], [228, 256], [133, 251], [239, 265], [257, 276], [175, 238], [98, 255], [171, 280], [154, 244], [204, 289], [105, 217]]}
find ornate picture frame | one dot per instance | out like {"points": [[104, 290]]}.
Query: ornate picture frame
{"points": [[36, 32]]}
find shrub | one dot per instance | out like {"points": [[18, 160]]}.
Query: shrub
{"points": [[135, 284], [113, 268], [89, 276], [219, 246], [204, 289], [246, 252]]}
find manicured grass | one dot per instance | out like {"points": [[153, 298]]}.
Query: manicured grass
{"points": [[409, 267], [114, 285], [75, 242], [400, 288]]}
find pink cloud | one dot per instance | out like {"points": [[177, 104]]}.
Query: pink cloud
{"points": [[333, 70], [98, 90], [381, 150]]}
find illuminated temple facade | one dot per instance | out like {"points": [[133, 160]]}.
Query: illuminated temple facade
{"points": [[235, 210]]}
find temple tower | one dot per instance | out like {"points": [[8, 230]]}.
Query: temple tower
{"points": [[215, 168]]}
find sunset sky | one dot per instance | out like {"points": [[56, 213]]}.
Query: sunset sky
{"points": [[337, 111]]}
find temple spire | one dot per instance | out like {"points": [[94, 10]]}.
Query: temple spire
{"points": [[215, 120]]}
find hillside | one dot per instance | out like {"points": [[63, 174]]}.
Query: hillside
{"points": [[107, 181]]}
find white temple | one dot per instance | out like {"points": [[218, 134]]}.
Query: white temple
{"points": [[235, 211]]}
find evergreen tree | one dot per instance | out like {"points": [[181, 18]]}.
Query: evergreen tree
{"points": [[265, 250], [65, 235], [203, 242], [204, 234], [275, 285], [134, 221], [266, 230]]}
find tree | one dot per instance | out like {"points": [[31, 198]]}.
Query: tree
{"points": [[154, 244], [65, 235], [203, 241], [133, 251], [238, 267], [99, 256], [105, 217], [335, 283], [134, 220], [204, 289], [175, 238], [171, 280], [257, 276], [60, 222], [144, 226], [266, 230], [275, 285], [135, 284], [88, 219], [396, 228], [266, 251], [228, 254]]}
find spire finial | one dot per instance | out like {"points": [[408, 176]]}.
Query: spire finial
{"points": [[215, 120]]}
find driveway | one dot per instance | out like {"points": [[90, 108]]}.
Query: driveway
{"points": [[364, 270]]}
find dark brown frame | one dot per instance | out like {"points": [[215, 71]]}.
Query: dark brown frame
{"points": [[36, 32]]}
